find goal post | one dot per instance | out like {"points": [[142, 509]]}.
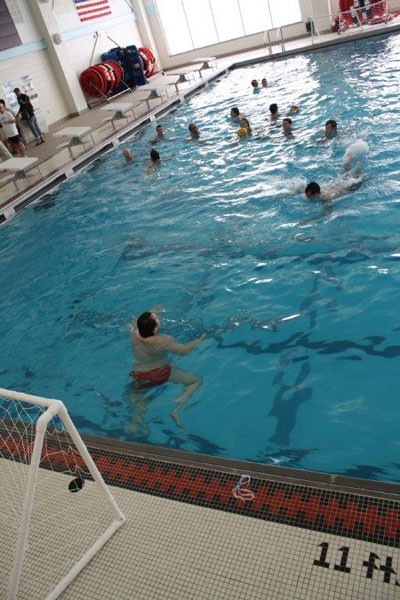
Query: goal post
{"points": [[56, 506]]}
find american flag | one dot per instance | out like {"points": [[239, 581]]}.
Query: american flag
{"points": [[92, 9]]}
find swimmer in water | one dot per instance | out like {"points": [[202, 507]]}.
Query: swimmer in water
{"points": [[154, 163], [254, 85], [274, 111], [244, 124], [264, 82], [287, 126], [127, 154], [236, 115], [152, 366], [160, 135], [331, 191], [194, 133], [330, 129], [155, 156]]}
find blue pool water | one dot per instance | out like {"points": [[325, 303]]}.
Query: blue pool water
{"points": [[300, 366]]}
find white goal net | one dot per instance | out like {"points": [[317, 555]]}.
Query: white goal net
{"points": [[56, 511]]}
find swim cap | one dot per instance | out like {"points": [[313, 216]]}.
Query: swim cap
{"points": [[242, 132]]}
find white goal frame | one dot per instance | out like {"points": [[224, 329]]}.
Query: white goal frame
{"points": [[55, 408]]}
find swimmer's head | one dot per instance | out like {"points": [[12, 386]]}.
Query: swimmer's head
{"points": [[235, 112], [194, 130], [160, 130], [242, 132], [154, 155], [127, 153], [287, 123], [254, 83], [273, 109], [294, 108], [312, 190], [245, 123], [331, 126], [264, 82], [148, 324]]}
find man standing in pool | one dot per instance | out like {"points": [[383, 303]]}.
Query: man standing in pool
{"points": [[151, 364]]}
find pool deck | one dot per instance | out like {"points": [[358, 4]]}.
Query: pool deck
{"points": [[57, 164], [191, 533], [295, 536]]}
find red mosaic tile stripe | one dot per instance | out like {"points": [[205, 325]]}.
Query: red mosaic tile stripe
{"points": [[338, 513]]}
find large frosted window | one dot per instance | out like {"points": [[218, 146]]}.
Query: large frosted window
{"points": [[191, 24], [200, 22], [253, 18], [228, 19], [281, 10], [173, 20]]}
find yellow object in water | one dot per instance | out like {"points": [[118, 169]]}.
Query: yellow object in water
{"points": [[242, 132]]}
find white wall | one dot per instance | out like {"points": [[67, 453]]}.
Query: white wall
{"points": [[47, 64]]}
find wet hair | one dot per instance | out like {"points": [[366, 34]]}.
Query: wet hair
{"points": [[146, 324], [273, 108], [312, 188], [191, 126], [154, 155], [254, 82], [235, 111], [287, 120], [247, 124], [159, 127], [332, 123]]}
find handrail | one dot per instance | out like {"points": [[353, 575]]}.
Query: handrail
{"points": [[266, 35], [354, 13]]}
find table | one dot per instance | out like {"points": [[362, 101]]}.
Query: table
{"points": [[143, 96], [120, 110], [156, 89], [168, 79], [76, 136], [19, 166], [187, 73], [209, 62]]}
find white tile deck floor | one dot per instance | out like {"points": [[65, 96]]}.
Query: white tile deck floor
{"points": [[173, 550], [168, 549]]}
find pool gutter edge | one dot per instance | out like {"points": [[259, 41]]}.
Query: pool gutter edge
{"points": [[331, 481]]}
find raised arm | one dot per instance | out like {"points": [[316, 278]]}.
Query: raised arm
{"points": [[183, 349]]}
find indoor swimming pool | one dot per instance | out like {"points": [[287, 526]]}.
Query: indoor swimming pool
{"points": [[300, 308]]}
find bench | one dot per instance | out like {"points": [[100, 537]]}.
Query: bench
{"points": [[166, 79], [76, 137], [121, 109], [209, 62], [19, 166], [187, 73]]}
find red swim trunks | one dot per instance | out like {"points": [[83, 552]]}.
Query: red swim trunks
{"points": [[147, 379]]}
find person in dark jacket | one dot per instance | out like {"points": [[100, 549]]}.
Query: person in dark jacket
{"points": [[27, 112]]}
